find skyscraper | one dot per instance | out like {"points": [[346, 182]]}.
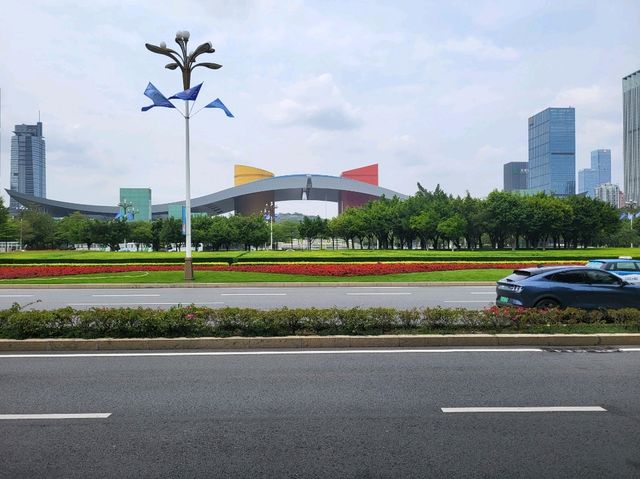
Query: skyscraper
{"points": [[587, 181], [601, 162], [28, 163], [552, 152], [598, 174], [515, 175], [631, 135]]}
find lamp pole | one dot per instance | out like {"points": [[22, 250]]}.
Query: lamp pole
{"points": [[186, 63], [631, 204]]}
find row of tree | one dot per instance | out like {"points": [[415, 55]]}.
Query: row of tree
{"points": [[428, 219]]}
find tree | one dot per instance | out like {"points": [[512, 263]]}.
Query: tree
{"points": [[285, 231], [140, 232], [38, 229], [171, 232]]}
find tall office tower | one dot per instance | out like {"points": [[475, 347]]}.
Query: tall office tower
{"points": [[598, 174], [587, 182], [610, 194], [601, 162], [28, 164], [515, 175], [552, 152], [631, 135]]}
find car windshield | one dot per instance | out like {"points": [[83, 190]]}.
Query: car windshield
{"points": [[594, 264]]}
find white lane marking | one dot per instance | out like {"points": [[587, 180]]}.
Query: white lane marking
{"points": [[253, 294], [122, 295], [483, 292], [95, 415], [376, 294], [629, 350], [524, 409], [471, 301], [274, 353], [16, 295], [142, 304]]}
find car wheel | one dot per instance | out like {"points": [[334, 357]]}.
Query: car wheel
{"points": [[547, 303]]}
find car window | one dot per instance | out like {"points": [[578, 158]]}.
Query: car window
{"points": [[595, 264], [600, 277], [626, 266], [568, 277]]}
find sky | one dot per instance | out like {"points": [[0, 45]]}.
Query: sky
{"points": [[434, 92]]}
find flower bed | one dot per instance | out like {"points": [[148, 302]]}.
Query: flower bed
{"points": [[308, 269]]}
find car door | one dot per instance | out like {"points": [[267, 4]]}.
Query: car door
{"points": [[570, 288], [608, 291]]}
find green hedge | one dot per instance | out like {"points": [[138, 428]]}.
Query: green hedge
{"points": [[190, 321]]}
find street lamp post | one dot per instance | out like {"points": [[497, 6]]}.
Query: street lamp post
{"points": [[631, 204], [186, 63]]}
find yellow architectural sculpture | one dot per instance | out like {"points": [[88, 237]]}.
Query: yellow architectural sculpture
{"points": [[246, 174]]}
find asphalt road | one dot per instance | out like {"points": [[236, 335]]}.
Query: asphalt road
{"points": [[322, 414], [472, 297]]}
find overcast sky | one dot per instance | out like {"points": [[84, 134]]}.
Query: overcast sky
{"points": [[434, 92]]}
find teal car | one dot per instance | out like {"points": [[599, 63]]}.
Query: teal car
{"points": [[628, 268]]}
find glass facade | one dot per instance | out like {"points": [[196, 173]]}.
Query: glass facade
{"points": [[552, 152], [631, 135], [28, 163], [515, 175], [587, 182], [601, 162], [137, 202]]}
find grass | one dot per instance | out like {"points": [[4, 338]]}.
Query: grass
{"points": [[146, 277], [323, 255]]}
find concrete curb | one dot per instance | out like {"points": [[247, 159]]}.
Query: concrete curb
{"points": [[246, 285], [312, 342]]}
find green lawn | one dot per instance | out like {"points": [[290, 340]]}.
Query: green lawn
{"points": [[324, 255], [244, 277]]}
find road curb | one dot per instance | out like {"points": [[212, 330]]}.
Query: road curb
{"points": [[315, 342], [246, 285]]}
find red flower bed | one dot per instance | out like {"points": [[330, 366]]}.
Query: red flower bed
{"points": [[309, 269]]}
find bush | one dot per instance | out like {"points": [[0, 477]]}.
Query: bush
{"points": [[191, 321]]}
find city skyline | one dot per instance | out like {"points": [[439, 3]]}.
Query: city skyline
{"points": [[435, 94]]}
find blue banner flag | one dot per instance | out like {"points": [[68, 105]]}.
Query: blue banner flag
{"points": [[624, 216], [158, 98], [218, 104], [190, 94]]}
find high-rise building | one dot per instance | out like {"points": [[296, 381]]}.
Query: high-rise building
{"points": [[135, 204], [601, 162], [611, 194], [631, 135], [552, 152], [598, 174], [587, 182], [28, 163], [515, 175]]}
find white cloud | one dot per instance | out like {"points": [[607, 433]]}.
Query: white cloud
{"points": [[479, 48], [315, 102]]}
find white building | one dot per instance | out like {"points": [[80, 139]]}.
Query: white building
{"points": [[610, 193]]}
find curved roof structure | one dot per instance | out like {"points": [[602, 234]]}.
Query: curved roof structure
{"points": [[283, 188]]}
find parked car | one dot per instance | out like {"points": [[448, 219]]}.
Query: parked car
{"points": [[560, 286], [623, 266]]}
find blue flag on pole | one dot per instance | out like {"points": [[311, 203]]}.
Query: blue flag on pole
{"points": [[189, 94], [218, 104], [158, 98], [626, 216]]}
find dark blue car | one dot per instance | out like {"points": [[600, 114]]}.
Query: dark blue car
{"points": [[562, 286]]}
